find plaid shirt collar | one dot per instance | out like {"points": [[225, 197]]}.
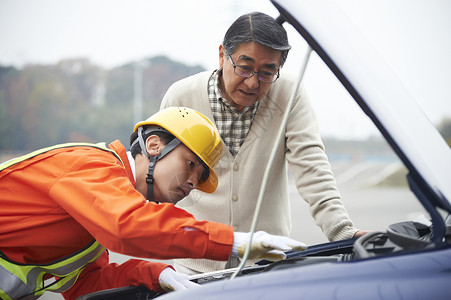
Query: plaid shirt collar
{"points": [[233, 125]]}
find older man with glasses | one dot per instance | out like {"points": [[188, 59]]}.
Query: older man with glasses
{"points": [[247, 101]]}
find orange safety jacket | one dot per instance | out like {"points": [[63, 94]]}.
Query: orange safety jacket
{"points": [[56, 203]]}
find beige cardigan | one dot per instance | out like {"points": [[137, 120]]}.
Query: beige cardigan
{"points": [[240, 178]]}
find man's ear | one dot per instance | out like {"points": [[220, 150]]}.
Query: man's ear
{"points": [[221, 56], [154, 145]]}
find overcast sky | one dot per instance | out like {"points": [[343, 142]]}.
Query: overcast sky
{"points": [[113, 32]]}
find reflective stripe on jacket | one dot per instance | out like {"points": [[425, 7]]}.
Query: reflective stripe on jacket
{"points": [[18, 280], [16, 160]]}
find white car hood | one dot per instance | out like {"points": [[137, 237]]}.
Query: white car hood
{"points": [[377, 90]]}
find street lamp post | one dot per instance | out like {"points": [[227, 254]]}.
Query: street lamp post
{"points": [[139, 67]]}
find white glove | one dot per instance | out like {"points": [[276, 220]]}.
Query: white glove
{"points": [[171, 280], [264, 245]]}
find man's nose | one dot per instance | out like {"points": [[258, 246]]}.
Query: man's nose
{"points": [[252, 82], [193, 180]]}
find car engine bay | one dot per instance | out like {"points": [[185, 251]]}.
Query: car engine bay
{"points": [[400, 238]]}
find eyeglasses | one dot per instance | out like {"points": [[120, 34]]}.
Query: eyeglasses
{"points": [[247, 72]]}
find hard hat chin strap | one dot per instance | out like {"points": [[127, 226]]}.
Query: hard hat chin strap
{"points": [[153, 160]]}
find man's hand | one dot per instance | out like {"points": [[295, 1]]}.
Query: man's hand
{"points": [[264, 245], [361, 232], [171, 280]]}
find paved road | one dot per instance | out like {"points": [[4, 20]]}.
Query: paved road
{"points": [[370, 207]]}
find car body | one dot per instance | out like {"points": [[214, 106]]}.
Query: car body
{"points": [[411, 259]]}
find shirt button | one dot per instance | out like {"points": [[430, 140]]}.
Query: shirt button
{"points": [[234, 197], [235, 167]]}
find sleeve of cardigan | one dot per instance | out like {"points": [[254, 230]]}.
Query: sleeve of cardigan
{"points": [[190, 92], [170, 98], [312, 171], [97, 193], [101, 275]]}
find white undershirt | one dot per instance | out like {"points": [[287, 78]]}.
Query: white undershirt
{"points": [[132, 164]]}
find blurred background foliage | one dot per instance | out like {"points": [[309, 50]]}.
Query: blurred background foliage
{"points": [[75, 100]]}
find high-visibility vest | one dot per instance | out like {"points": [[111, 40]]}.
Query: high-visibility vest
{"points": [[19, 280]]}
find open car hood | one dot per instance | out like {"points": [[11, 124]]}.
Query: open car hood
{"points": [[379, 92]]}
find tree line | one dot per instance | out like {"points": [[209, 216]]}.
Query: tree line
{"points": [[76, 100]]}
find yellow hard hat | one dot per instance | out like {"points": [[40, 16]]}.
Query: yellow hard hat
{"points": [[196, 132]]}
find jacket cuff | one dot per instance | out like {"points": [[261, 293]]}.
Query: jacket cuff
{"points": [[220, 241], [342, 231]]}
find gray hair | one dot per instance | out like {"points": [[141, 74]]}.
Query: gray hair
{"points": [[260, 28]]}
